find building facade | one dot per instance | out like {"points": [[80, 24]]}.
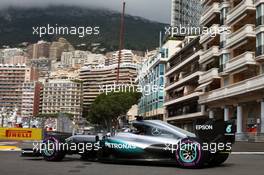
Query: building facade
{"points": [[126, 56], [96, 78], [57, 47], [13, 56], [185, 13], [62, 96], [182, 75], [151, 78], [40, 49], [12, 78], [79, 58], [31, 96], [233, 81]]}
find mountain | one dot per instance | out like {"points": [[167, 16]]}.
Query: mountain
{"points": [[16, 26]]}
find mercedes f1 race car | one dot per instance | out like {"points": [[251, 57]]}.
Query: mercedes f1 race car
{"points": [[148, 140]]}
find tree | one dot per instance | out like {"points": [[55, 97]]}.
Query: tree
{"points": [[108, 107]]}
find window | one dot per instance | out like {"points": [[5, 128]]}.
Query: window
{"points": [[224, 58], [260, 15], [161, 68], [223, 15], [226, 81], [260, 44], [223, 40]]}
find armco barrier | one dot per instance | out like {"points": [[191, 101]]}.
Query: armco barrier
{"points": [[20, 134]]}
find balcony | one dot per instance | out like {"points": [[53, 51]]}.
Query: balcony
{"points": [[208, 54], [247, 58], [248, 31], [239, 10], [240, 88], [210, 13], [183, 98], [183, 62], [185, 78], [186, 116], [208, 36], [209, 75]]}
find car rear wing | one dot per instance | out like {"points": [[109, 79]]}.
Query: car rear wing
{"points": [[213, 130]]}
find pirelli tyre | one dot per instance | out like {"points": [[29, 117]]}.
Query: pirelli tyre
{"points": [[218, 158], [51, 149], [189, 153]]}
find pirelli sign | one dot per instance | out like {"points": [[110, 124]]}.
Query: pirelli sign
{"points": [[20, 134]]}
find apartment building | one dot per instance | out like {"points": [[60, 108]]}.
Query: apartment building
{"points": [[151, 77], [234, 85], [185, 13], [12, 78], [62, 96], [79, 58], [19, 59], [126, 56], [57, 47], [40, 50], [96, 78], [31, 97], [13, 56], [182, 75]]}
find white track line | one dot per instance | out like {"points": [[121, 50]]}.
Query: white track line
{"points": [[248, 153]]}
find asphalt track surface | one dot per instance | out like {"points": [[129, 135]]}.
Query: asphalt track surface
{"points": [[12, 164]]}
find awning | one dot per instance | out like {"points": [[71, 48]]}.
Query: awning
{"points": [[202, 86]]}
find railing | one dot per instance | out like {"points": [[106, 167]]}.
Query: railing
{"points": [[209, 75], [184, 75], [206, 36], [240, 8], [240, 61], [213, 51], [181, 111], [247, 30], [248, 85], [214, 8]]}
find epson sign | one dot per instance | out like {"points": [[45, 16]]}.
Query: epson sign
{"points": [[204, 127]]}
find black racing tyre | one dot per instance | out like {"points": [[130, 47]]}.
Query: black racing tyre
{"points": [[51, 149], [189, 153], [218, 158], [91, 155]]}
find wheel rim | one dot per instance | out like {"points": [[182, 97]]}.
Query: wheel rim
{"points": [[49, 148], [188, 152]]}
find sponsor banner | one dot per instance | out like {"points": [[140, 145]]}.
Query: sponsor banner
{"points": [[20, 134]]}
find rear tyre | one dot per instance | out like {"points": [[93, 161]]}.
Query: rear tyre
{"points": [[189, 153], [218, 158], [91, 155], [51, 150]]}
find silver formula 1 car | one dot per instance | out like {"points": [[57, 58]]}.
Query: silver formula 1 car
{"points": [[148, 140]]}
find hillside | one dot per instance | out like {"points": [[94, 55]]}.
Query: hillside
{"points": [[16, 26]]}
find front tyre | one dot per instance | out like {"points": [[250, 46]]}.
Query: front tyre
{"points": [[189, 153], [51, 150]]}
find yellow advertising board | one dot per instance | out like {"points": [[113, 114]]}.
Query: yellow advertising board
{"points": [[20, 134]]}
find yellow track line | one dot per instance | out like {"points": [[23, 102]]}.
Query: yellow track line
{"points": [[9, 148]]}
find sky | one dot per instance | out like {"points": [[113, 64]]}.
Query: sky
{"points": [[157, 10]]}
